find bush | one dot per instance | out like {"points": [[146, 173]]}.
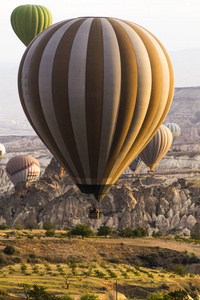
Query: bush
{"points": [[178, 269], [17, 259], [88, 296], [18, 226], [4, 226], [81, 229], [31, 225], [196, 236], [157, 296], [66, 297], [127, 232], [140, 232], [104, 231], [10, 250], [50, 232], [3, 258], [177, 295], [49, 226], [151, 258]]}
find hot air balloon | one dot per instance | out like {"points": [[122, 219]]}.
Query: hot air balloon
{"points": [[2, 151], [95, 90], [136, 164], [175, 129], [29, 20], [157, 147], [23, 168]]}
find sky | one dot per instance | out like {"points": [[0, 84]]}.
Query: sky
{"points": [[176, 23]]}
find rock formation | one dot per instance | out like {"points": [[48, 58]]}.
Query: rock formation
{"points": [[158, 204]]}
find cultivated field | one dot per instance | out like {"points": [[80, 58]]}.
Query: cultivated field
{"points": [[74, 265]]}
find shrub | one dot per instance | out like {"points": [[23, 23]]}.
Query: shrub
{"points": [[66, 297], [104, 231], [157, 296], [49, 226], [127, 232], [31, 225], [151, 258], [3, 258], [177, 295], [4, 226], [82, 229], [10, 250], [18, 226], [17, 259], [140, 232], [50, 232], [88, 296], [196, 236], [178, 269]]}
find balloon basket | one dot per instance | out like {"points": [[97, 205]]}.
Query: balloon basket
{"points": [[93, 213]]}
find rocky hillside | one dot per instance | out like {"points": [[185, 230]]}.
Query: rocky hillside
{"points": [[170, 205], [185, 111]]}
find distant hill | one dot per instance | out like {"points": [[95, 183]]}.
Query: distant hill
{"points": [[185, 111]]}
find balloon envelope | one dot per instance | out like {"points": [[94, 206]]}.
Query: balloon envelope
{"points": [[23, 168], [136, 164], [157, 147], [95, 90], [175, 129], [29, 20], [2, 151]]}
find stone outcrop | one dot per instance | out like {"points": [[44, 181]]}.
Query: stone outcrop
{"points": [[151, 202]]}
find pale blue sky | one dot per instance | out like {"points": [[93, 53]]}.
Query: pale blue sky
{"points": [[176, 23]]}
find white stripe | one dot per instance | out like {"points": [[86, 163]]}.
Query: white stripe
{"points": [[45, 91], [76, 94]]}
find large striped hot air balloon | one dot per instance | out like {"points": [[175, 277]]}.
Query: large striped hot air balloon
{"points": [[175, 129], [29, 20], [23, 168], [157, 147], [2, 151], [95, 90]]}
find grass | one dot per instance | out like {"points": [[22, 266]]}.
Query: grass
{"points": [[58, 258], [79, 283]]}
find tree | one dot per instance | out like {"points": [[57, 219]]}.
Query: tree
{"points": [[104, 230], [48, 225], [140, 232], [31, 225], [4, 226], [127, 232], [81, 229], [18, 226], [10, 250]]}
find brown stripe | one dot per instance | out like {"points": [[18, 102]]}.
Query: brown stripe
{"points": [[129, 82], [60, 94], [41, 128], [94, 94]]}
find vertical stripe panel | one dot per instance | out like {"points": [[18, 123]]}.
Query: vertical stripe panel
{"points": [[94, 94], [111, 94], [129, 84], [45, 91], [76, 92], [61, 98]]}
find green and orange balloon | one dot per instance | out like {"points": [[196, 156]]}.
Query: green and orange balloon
{"points": [[29, 20]]}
